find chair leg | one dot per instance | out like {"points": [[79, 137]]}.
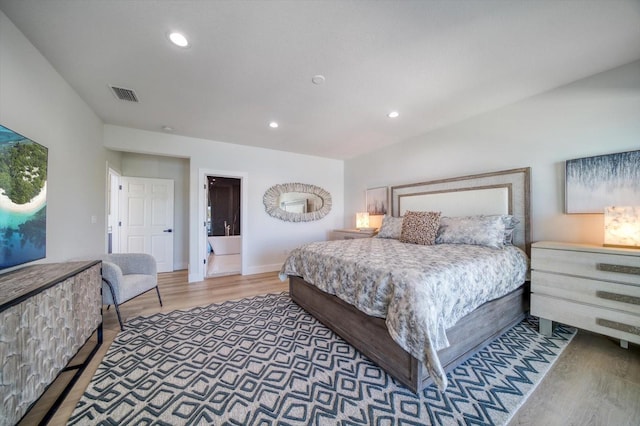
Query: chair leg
{"points": [[115, 304], [159, 298]]}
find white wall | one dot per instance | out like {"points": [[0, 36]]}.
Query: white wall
{"points": [[177, 169], [266, 240], [36, 102], [596, 115]]}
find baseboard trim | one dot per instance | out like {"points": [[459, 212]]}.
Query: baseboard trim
{"points": [[261, 269]]}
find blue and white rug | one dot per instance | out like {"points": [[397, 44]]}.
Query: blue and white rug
{"points": [[265, 361]]}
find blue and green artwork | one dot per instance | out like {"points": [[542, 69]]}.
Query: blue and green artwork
{"points": [[23, 199]]}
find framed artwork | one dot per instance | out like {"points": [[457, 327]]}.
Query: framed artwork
{"points": [[377, 201], [593, 183], [23, 199]]}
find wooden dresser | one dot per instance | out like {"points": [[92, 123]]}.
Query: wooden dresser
{"points": [[586, 286], [47, 313]]}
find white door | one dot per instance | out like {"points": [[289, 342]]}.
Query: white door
{"points": [[146, 216]]}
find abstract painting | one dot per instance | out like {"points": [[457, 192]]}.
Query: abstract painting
{"points": [[593, 183], [377, 202]]}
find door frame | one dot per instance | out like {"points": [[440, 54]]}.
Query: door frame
{"points": [[202, 219], [113, 204]]}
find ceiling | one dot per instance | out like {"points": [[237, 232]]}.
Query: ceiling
{"points": [[252, 62]]}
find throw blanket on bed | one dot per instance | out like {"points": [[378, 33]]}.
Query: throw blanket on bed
{"points": [[419, 290]]}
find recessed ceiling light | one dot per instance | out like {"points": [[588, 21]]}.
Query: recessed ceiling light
{"points": [[317, 79], [393, 114], [273, 125], [179, 39]]}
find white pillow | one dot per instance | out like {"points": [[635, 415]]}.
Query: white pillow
{"points": [[478, 230], [391, 227]]}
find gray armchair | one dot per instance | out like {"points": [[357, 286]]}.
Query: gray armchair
{"points": [[125, 276]]}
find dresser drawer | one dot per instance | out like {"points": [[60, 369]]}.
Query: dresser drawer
{"points": [[624, 297], [621, 325], [595, 265]]}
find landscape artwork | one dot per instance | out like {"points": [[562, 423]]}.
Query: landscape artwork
{"points": [[594, 183], [23, 199], [377, 202]]}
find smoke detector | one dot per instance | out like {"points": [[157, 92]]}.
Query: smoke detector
{"points": [[318, 79]]}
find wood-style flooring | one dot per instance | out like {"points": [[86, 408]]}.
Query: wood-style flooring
{"points": [[594, 382]]}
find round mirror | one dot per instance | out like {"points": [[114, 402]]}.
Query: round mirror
{"points": [[297, 202]]}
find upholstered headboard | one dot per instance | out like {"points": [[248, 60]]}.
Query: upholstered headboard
{"points": [[503, 192]]}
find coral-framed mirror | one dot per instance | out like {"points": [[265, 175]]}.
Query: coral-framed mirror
{"points": [[297, 202]]}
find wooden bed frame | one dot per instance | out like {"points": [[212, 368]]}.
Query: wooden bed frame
{"points": [[369, 334]]}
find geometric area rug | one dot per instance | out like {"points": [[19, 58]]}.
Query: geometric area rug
{"points": [[266, 361]]}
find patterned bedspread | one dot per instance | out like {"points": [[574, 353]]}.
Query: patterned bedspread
{"points": [[419, 290]]}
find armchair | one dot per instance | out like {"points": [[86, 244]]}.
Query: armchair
{"points": [[125, 276]]}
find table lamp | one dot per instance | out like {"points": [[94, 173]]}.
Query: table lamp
{"points": [[622, 226], [362, 220]]}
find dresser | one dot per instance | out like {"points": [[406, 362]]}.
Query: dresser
{"points": [[47, 313], [587, 286], [350, 234]]}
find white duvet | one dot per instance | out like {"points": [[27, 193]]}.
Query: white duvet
{"points": [[420, 290]]}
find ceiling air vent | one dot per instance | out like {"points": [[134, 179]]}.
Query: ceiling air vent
{"points": [[124, 94]]}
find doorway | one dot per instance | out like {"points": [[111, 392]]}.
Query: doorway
{"points": [[146, 218], [140, 217], [113, 208], [223, 225]]}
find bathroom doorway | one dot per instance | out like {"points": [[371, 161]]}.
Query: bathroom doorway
{"points": [[223, 225]]}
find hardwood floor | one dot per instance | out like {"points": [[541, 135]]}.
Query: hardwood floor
{"points": [[595, 382]]}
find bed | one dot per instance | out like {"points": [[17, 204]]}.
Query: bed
{"points": [[329, 284]]}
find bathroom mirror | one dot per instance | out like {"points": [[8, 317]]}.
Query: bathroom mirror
{"points": [[297, 202]]}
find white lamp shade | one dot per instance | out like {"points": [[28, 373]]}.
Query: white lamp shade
{"points": [[362, 220], [622, 226], [375, 220]]}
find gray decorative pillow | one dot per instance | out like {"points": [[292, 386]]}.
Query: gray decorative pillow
{"points": [[420, 227], [391, 227], [508, 237], [510, 223], [478, 230]]}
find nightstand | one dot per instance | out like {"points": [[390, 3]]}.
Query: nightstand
{"points": [[350, 234], [586, 286]]}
